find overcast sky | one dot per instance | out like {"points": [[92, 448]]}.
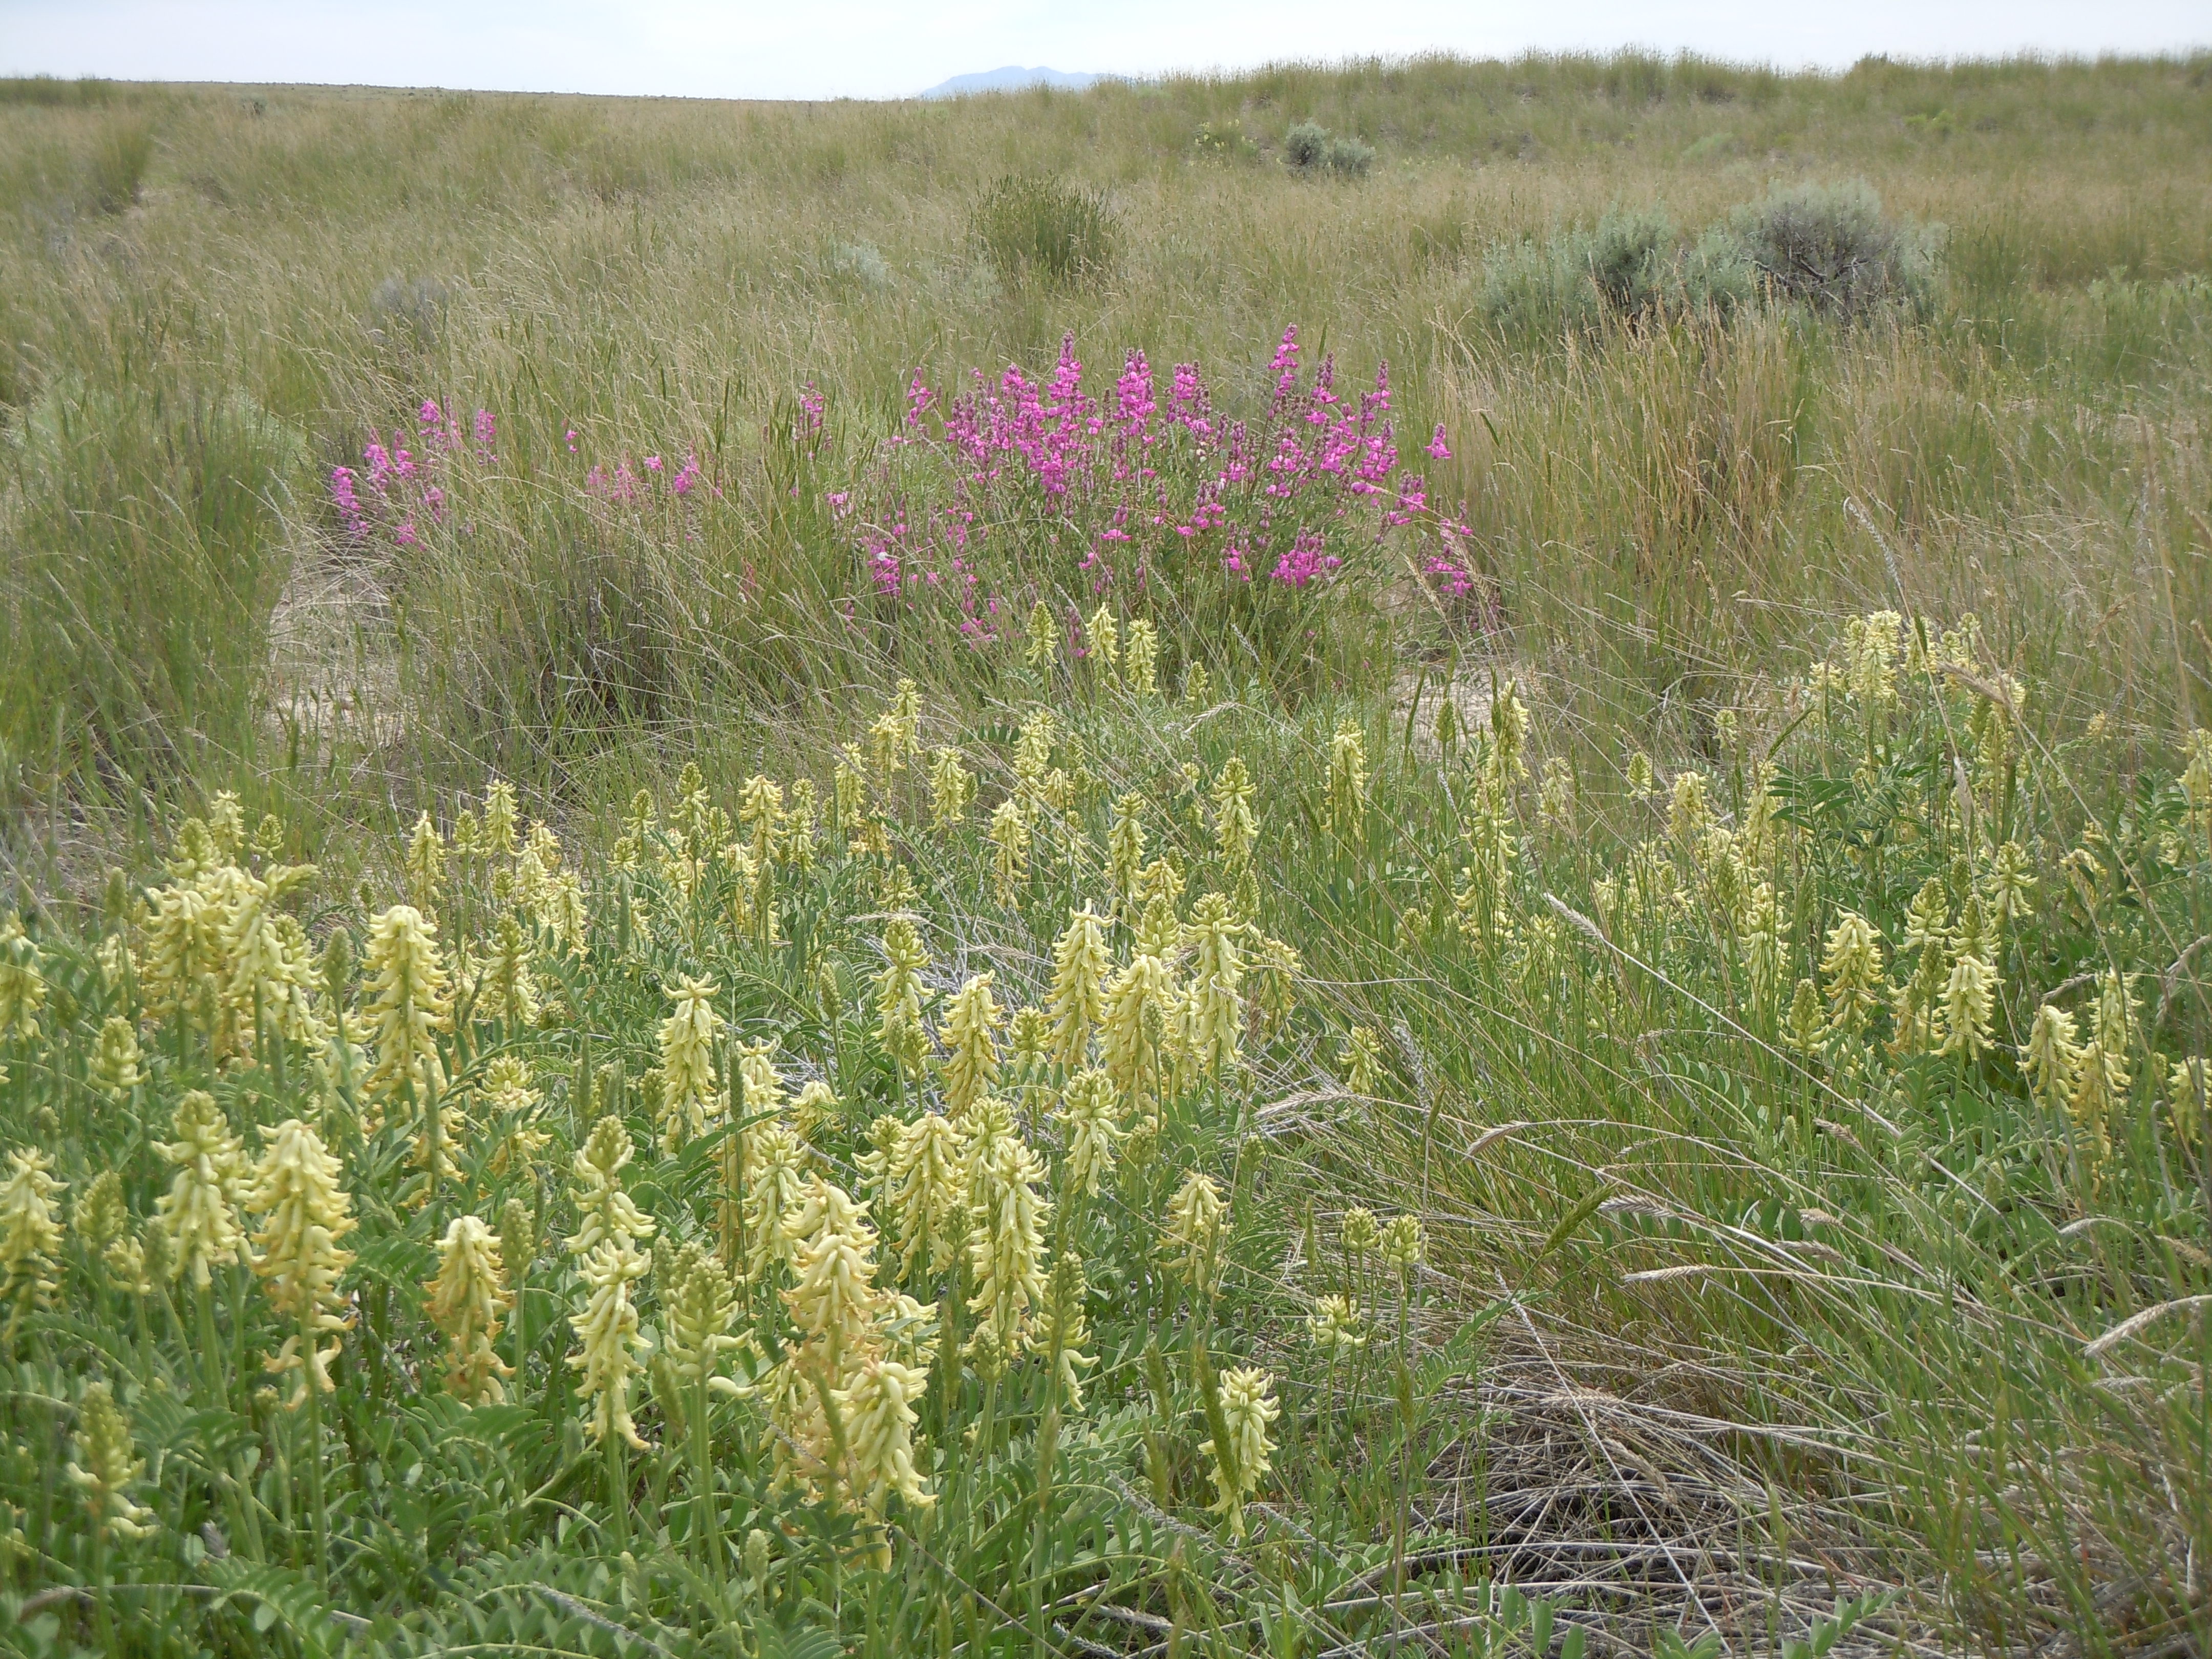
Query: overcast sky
{"points": [[876, 48]]}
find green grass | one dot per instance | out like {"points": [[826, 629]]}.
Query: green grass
{"points": [[1713, 1328]]}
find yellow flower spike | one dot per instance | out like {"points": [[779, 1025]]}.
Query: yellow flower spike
{"points": [[1125, 849], [772, 1171], [1140, 658], [1851, 963], [465, 1303], [833, 1297], [1248, 1408], [1010, 850], [425, 864], [101, 1216], [815, 1106], [701, 1309], [1033, 748], [305, 1211], [1401, 1245], [1197, 687], [2197, 781], [468, 833], [2117, 1028], [1235, 830], [30, 1232], [1555, 797], [1043, 648], [610, 1350], [1079, 976], [2049, 1057], [927, 1191], [500, 820], [1689, 812], [760, 814], [199, 1213], [605, 1212], [898, 997], [1067, 1328], [1508, 730], [1806, 1025], [878, 1412], [1344, 809], [2185, 1085], [1007, 1210], [115, 1068], [1969, 1006], [952, 789], [1216, 975], [1104, 638], [410, 1002], [105, 1468], [227, 824], [1361, 1058], [1334, 1326], [799, 822], [508, 990], [1091, 1116], [1639, 778], [1193, 1236], [1139, 1001], [687, 1086], [1359, 1231], [969, 1037], [22, 986]]}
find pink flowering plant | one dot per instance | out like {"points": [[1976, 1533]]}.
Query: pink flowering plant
{"points": [[1280, 527]]}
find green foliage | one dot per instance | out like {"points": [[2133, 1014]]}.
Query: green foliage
{"points": [[1831, 246], [141, 563], [1027, 224], [1308, 147]]}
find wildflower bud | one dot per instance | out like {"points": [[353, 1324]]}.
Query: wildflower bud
{"points": [[1359, 1231], [1345, 806], [757, 1560], [1401, 1243], [104, 1469]]}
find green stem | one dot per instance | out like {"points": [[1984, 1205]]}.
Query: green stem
{"points": [[617, 1488], [318, 1520]]}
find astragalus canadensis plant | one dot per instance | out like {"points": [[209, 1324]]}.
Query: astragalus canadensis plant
{"points": [[789, 1220]]}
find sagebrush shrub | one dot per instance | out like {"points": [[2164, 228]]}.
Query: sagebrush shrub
{"points": [[1305, 144], [1833, 246]]}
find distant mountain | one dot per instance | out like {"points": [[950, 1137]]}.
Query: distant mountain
{"points": [[1011, 78]]}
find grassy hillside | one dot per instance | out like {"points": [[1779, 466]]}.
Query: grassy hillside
{"points": [[1572, 688]]}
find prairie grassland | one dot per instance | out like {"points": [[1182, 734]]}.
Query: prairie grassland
{"points": [[1447, 983]]}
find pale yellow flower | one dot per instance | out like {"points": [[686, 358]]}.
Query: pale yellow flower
{"points": [[106, 1467], [199, 1213], [305, 1211], [465, 1303]]}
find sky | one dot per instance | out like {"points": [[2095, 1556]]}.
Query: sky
{"points": [[894, 48]]}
